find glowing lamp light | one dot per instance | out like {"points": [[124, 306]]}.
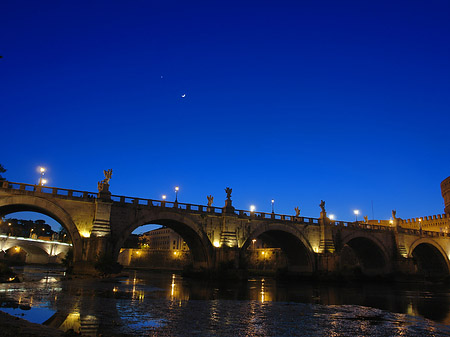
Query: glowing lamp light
{"points": [[42, 169], [177, 188], [216, 244], [43, 181], [164, 197], [356, 212], [252, 208], [85, 234], [331, 216]]}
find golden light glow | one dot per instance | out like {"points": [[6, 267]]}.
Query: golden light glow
{"points": [[164, 197], [254, 240], [391, 221], [331, 216], [252, 208], [216, 244], [44, 181], [115, 289], [263, 253], [177, 188], [356, 212], [85, 234], [175, 253], [42, 169], [17, 249]]}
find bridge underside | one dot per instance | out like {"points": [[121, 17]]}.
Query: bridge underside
{"points": [[362, 255], [279, 251], [429, 261]]}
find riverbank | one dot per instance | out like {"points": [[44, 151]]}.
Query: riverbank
{"points": [[11, 326]]}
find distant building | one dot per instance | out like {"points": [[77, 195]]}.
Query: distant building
{"points": [[162, 239]]}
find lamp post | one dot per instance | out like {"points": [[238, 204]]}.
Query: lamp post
{"points": [[331, 216], [252, 208], [41, 179], [273, 202], [176, 193], [356, 214]]}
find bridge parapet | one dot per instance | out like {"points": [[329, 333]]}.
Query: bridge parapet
{"points": [[212, 210], [53, 191]]}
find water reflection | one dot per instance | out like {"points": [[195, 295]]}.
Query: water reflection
{"points": [[144, 302]]}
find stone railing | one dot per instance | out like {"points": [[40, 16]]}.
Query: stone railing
{"points": [[193, 208], [54, 191], [21, 238]]}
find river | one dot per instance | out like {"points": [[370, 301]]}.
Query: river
{"points": [[155, 303]]}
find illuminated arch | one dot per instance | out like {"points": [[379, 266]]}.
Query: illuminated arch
{"points": [[24, 203], [290, 233], [199, 244]]}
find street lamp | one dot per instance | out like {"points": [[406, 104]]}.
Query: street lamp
{"points": [[356, 214], [164, 197], [252, 208], [43, 182], [254, 241], [331, 216], [273, 201], [42, 172], [176, 193]]}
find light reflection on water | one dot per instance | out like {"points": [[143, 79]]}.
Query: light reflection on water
{"points": [[149, 302]]}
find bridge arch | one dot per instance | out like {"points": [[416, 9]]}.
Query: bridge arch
{"points": [[198, 242], [26, 203], [367, 252], [430, 257], [299, 253]]}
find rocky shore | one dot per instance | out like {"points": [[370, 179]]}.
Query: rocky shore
{"points": [[11, 326]]}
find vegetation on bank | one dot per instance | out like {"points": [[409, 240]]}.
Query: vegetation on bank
{"points": [[6, 273]]}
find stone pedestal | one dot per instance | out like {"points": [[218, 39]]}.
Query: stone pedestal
{"points": [[326, 235], [229, 209]]}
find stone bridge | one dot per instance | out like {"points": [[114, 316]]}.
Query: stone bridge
{"points": [[36, 251], [99, 223]]}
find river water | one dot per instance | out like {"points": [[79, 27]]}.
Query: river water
{"points": [[154, 304]]}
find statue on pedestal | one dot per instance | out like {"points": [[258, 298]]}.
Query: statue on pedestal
{"points": [[210, 200], [228, 205], [297, 211]]}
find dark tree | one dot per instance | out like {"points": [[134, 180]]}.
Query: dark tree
{"points": [[2, 170]]}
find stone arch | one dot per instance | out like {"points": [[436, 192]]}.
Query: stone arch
{"points": [[368, 250], [24, 203], [292, 242], [431, 258], [34, 254], [198, 242]]}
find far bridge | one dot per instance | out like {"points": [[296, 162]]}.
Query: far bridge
{"points": [[99, 223], [34, 250]]}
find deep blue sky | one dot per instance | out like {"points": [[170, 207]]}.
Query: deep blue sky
{"points": [[345, 101]]}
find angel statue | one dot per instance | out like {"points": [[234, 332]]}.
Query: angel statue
{"points": [[394, 212], [108, 175], [210, 200], [322, 205], [366, 219], [297, 211], [100, 186], [228, 192]]}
